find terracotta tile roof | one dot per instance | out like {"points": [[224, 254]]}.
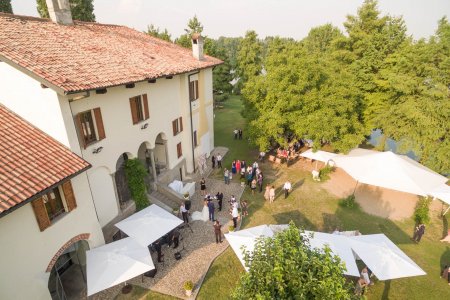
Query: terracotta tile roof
{"points": [[30, 161], [89, 56]]}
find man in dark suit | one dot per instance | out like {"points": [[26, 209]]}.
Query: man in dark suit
{"points": [[219, 197], [211, 210]]}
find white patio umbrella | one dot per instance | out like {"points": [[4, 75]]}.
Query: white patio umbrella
{"points": [[247, 238], [149, 224], [442, 193], [114, 263], [383, 257], [319, 155], [389, 170]]}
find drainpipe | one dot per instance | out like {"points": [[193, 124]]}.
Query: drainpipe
{"points": [[192, 126]]}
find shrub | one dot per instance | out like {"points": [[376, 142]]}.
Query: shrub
{"points": [[349, 202], [188, 285], [324, 172], [135, 173], [231, 228], [421, 213]]}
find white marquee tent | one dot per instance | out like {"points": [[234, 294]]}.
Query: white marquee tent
{"points": [[390, 170], [319, 155], [114, 263], [149, 224], [382, 256]]}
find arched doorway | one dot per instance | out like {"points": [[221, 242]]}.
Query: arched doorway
{"points": [[161, 158], [68, 275], [144, 155], [123, 192]]}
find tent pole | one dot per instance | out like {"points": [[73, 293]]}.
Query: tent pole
{"points": [[355, 187], [446, 211]]}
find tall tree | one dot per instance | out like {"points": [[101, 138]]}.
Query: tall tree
{"points": [[82, 10], [249, 58], [5, 6], [155, 31], [285, 267], [193, 26]]}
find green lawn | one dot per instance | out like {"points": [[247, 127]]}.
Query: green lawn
{"points": [[313, 208], [140, 293]]}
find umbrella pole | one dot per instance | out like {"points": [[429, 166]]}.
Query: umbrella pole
{"points": [[446, 211]]}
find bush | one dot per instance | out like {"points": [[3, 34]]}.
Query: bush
{"points": [[349, 202], [231, 228], [324, 172], [421, 213], [188, 285], [135, 173]]}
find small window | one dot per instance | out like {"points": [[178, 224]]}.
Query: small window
{"points": [[139, 108], [193, 90], [195, 139], [177, 126], [53, 204], [90, 126], [179, 150]]}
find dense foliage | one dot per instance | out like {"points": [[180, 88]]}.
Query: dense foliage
{"points": [[82, 10], [135, 173], [5, 6], [422, 211], [156, 32], [285, 267], [335, 88]]}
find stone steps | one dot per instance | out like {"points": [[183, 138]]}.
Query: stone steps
{"points": [[158, 198]]}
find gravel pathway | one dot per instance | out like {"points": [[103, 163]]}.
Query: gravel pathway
{"points": [[200, 249]]}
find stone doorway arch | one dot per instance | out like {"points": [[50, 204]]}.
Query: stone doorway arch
{"points": [[123, 192]]}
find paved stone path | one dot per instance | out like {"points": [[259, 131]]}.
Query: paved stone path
{"points": [[200, 249]]}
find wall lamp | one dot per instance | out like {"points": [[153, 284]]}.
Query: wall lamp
{"points": [[144, 126], [97, 150]]}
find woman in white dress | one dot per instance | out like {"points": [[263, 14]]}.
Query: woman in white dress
{"points": [[203, 215]]}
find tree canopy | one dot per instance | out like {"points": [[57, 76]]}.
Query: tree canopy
{"points": [[5, 6], [335, 88], [156, 32], [82, 10], [285, 267]]}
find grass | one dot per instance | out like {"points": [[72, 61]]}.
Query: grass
{"points": [[313, 208]]}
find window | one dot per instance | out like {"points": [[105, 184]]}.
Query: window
{"points": [[179, 151], [51, 205], [139, 108], [193, 90], [195, 139], [177, 126], [90, 126]]}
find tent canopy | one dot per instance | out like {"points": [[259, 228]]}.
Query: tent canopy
{"points": [[442, 192], [149, 224], [382, 256], [389, 170], [114, 263], [319, 155]]}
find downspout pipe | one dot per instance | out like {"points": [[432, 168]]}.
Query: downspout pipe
{"points": [[192, 125]]}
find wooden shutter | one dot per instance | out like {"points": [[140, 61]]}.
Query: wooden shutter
{"points": [[41, 214], [191, 90], [80, 131], [196, 89], [69, 195], [133, 107], [99, 122], [181, 124], [179, 150], [146, 113], [174, 127]]}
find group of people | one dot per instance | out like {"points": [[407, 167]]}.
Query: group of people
{"points": [[269, 194], [216, 159], [237, 133], [363, 281]]}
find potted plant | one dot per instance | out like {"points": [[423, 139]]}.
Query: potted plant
{"points": [[186, 196], [231, 228], [188, 287]]}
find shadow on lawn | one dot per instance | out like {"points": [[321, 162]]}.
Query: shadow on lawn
{"points": [[444, 226], [445, 258], [298, 218]]}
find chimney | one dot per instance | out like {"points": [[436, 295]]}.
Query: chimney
{"points": [[197, 46], [59, 11]]}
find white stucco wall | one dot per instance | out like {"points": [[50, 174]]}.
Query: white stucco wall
{"points": [[25, 96], [26, 251], [102, 187]]}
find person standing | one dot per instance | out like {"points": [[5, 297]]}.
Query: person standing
{"points": [[219, 161], [184, 213], [176, 238], [234, 215], [260, 181], [213, 161], [238, 166], [240, 133], [287, 187], [158, 250], [244, 206], [226, 176], [267, 192], [211, 210], [235, 134], [219, 197], [203, 187], [217, 231], [272, 194], [419, 232], [233, 167], [253, 186], [365, 276]]}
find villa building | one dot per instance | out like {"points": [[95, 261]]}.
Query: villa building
{"points": [[108, 93]]}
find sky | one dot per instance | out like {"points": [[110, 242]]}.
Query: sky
{"points": [[287, 18]]}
